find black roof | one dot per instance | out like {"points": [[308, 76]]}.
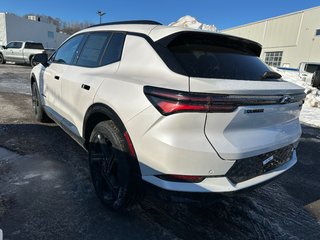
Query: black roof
{"points": [[147, 22]]}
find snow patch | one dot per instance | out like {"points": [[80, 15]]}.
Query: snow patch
{"points": [[21, 183], [31, 175], [191, 22]]}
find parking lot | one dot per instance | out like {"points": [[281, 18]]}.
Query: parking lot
{"points": [[46, 192]]}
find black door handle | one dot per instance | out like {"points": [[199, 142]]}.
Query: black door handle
{"points": [[86, 87], [57, 77]]}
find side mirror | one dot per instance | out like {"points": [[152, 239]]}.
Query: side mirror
{"points": [[3, 47], [41, 58]]}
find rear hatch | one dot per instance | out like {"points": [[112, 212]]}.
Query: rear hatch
{"points": [[258, 112]]}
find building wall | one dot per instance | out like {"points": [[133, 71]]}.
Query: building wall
{"points": [[16, 28], [61, 37], [3, 32], [293, 34]]}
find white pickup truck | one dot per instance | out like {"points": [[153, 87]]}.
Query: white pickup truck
{"points": [[309, 72], [20, 52]]}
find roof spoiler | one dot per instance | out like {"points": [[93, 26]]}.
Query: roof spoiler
{"points": [[145, 22]]}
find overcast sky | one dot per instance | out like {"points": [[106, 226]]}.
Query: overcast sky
{"points": [[223, 14]]}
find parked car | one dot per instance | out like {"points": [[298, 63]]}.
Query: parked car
{"points": [[184, 110], [306, 72], [21, 52]]}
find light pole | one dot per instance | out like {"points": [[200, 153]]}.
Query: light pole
{"points": [[100, 13]]}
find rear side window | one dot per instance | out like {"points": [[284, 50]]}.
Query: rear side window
{"points": [[114, 50], [311, 68], [93, 49], [30, 45], [217, 56]]}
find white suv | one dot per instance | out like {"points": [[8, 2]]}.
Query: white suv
{"points": [[184, 110]]}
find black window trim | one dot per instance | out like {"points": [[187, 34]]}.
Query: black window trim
{"points": [[81, 45]]}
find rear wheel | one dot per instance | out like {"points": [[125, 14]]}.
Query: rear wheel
{"points": [[2, 61], [39, 113], [111, 166], [315, 82]]}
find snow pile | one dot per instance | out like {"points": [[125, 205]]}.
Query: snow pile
{"points": [[313, 94], [191, 22]]}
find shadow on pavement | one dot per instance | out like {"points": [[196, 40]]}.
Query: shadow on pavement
{"points": [[46, 193]]}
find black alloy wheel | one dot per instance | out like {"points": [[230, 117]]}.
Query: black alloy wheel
{"points": [[2, 61], [110, 166]]}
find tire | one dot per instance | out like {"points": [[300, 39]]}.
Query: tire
{"points": [[39, 113], [315, 81], [32, 62], [112, 167], [2, 61]]}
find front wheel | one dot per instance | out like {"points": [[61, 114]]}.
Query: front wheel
{"points": [[2, 61], [39, 113], [111, 166]]}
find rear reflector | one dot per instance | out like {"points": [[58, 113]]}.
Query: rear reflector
{"points": [[170, 101], [130, 145], [181, 178]]}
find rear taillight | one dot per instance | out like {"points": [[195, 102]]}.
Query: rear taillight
{"points": [[171, 101]]}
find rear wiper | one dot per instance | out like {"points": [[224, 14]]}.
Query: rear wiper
{"points": [[271, 75]]}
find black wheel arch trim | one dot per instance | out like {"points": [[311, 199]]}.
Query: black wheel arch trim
{"points": [[103, 110]]}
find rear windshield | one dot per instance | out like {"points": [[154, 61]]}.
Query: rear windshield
{"points": [[311, 68], [218, 56], [30, 45]]}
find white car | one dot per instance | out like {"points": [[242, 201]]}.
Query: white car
{"points": [[184, 110]]}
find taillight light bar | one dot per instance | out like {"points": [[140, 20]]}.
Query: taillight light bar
{"points": [[169, 101]]}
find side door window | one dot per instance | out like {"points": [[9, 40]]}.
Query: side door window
{"points": [[17, 45], [11, 45], [65, 54], [93, 49]]}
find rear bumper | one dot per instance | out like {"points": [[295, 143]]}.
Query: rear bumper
{"points": [[220, 184]]}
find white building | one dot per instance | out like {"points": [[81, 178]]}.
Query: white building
{"points": [[14, 28], [287, 40]]}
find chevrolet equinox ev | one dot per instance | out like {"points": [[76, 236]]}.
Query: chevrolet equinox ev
{"points": [[184, 110]]}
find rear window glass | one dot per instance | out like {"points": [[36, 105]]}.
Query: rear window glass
{"points": [[311, 68], [30, 45], [217, 56]]}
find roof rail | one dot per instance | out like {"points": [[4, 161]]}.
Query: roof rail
{"points": [[147, 22]]}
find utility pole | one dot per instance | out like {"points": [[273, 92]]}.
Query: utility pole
{"points": [[100, 13]]}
